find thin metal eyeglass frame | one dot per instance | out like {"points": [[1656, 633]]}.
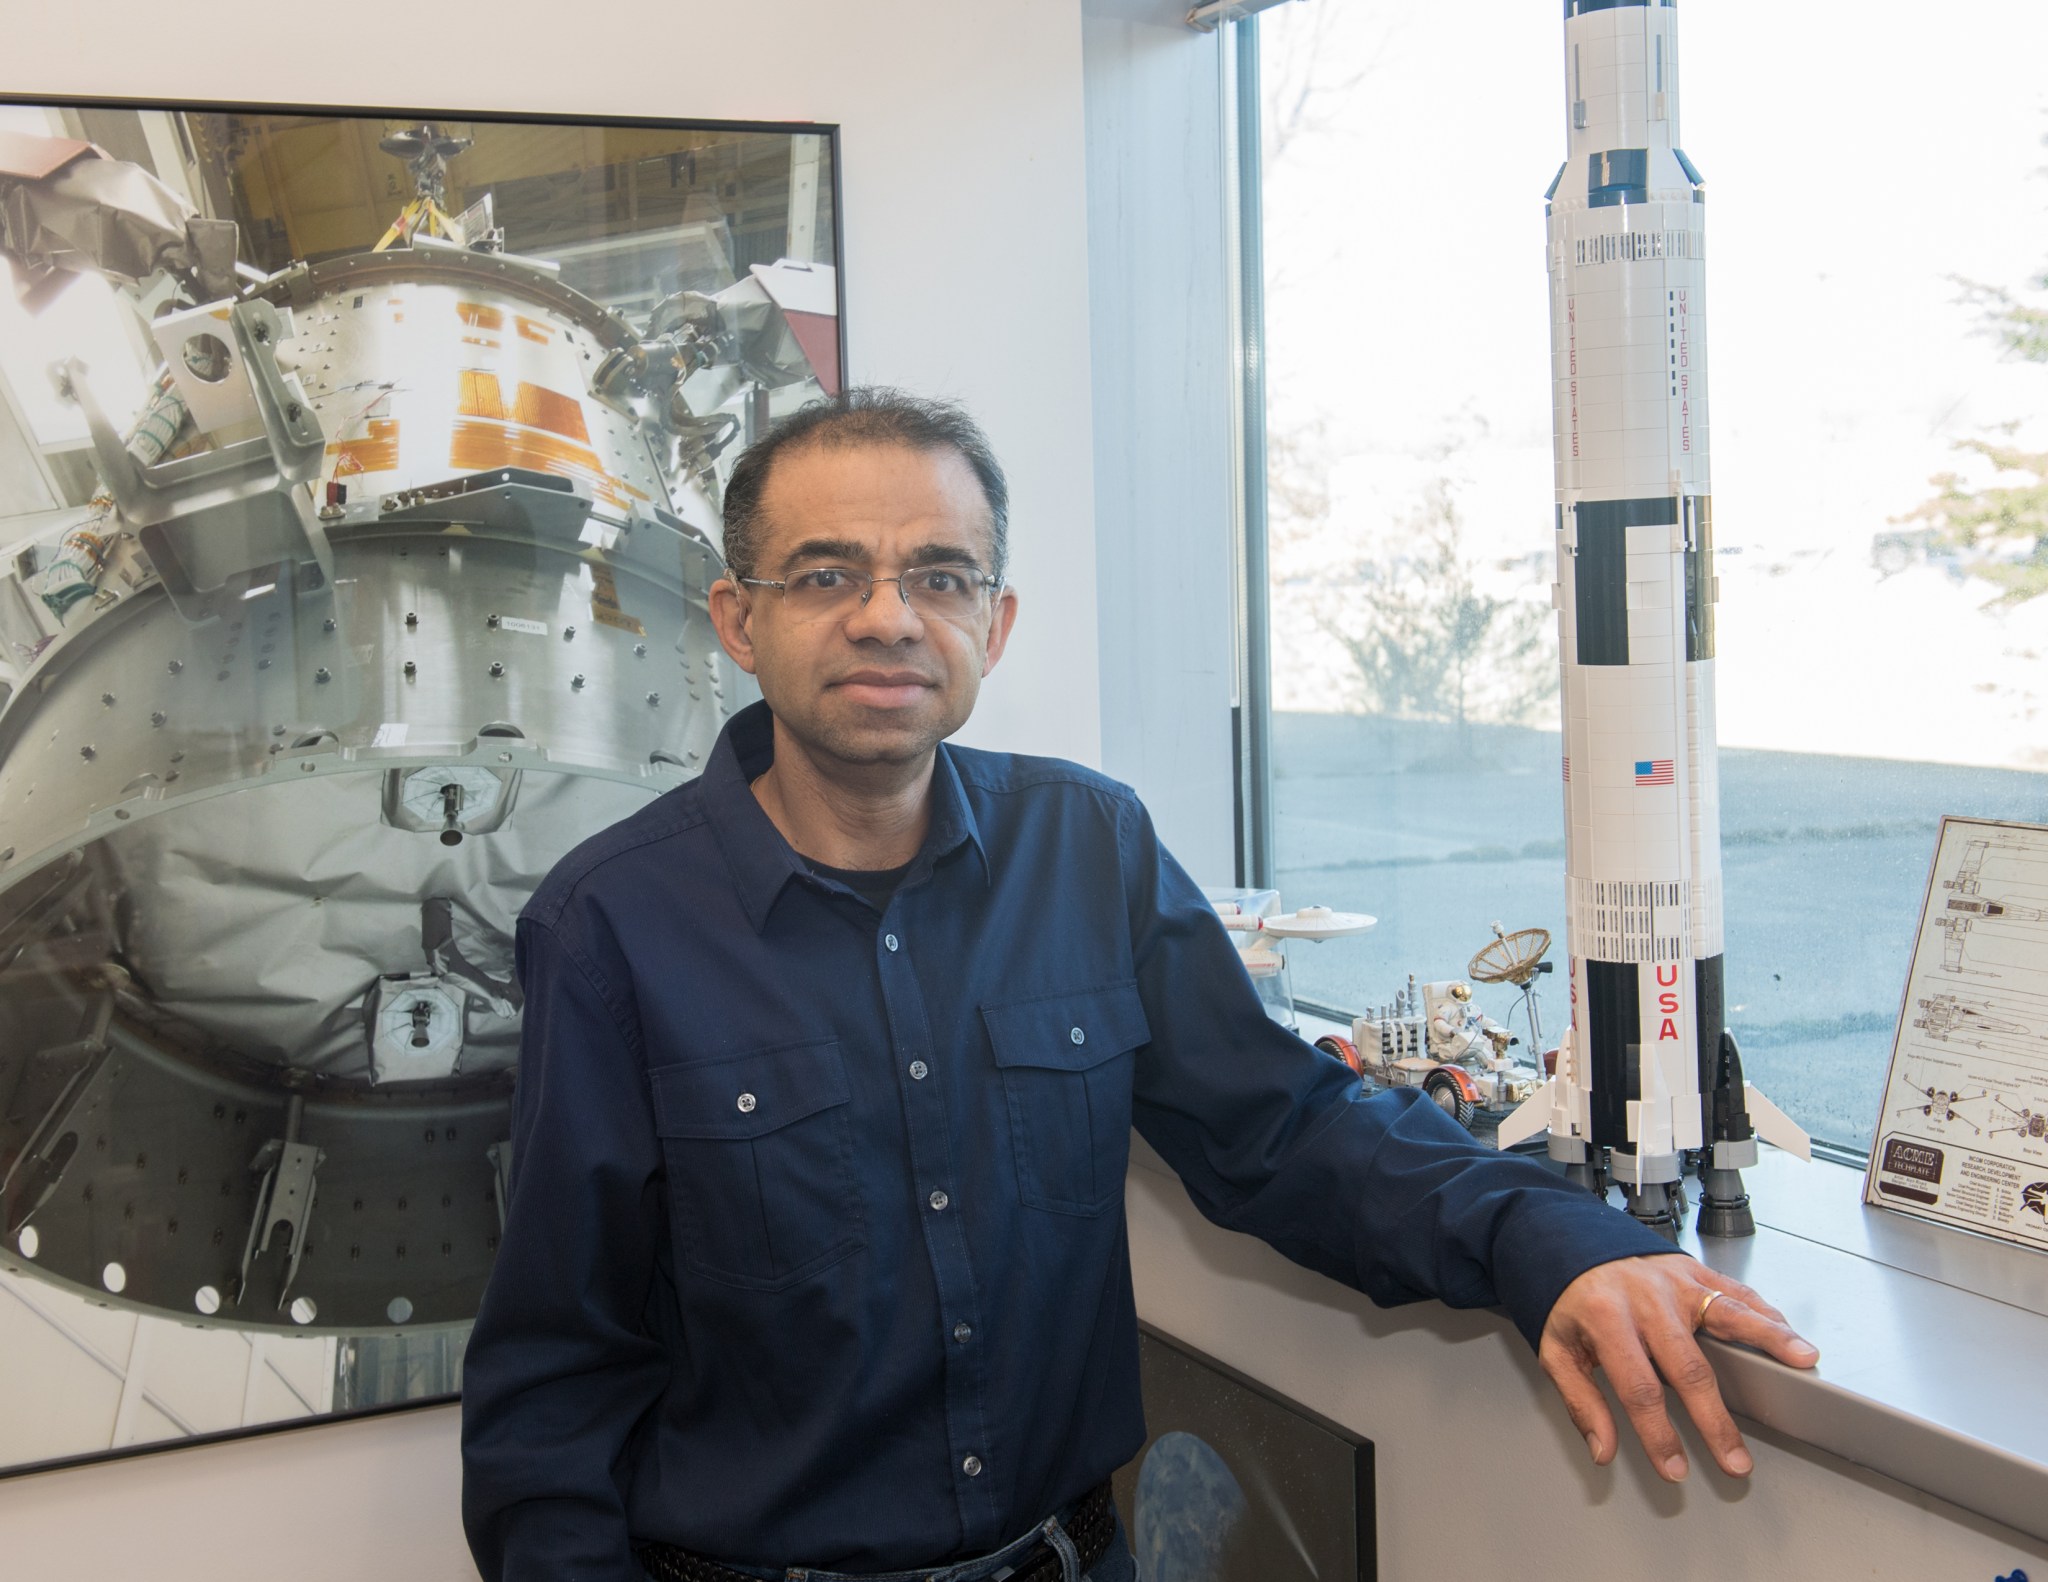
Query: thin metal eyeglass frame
{"points": [[991, 586]]}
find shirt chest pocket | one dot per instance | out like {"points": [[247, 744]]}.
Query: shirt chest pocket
{"points": [[759, 1152], [1065, 1061]]}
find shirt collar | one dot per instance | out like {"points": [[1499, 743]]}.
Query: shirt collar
{"points": [[760, 860]]}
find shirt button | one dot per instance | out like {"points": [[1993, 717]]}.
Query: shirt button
{"points": [[919, 1071], [938, 1200], [747, 1102], [889, 940], [971, 1466], [963, 1333], [1077, 1035]]}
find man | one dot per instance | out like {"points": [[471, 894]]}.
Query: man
{"points": [[815, 1256]]}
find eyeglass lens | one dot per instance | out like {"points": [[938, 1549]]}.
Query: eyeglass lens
{"points": [[942, 592]]}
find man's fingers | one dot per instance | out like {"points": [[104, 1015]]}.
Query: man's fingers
{"points": [[1685, 1366], [1641, 1393], [1762, 1326], [1583, 1400], [1636, 1320], [1731, 1287]]}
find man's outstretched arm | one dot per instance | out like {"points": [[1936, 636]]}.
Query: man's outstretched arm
{"points": [[1635, 1320], [1390, 1196]]}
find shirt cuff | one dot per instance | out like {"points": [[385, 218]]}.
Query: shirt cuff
{"points": [[553, 1539], [1557, 1237]]}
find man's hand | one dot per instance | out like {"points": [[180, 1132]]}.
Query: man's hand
{"points": [[1636, 1318]]}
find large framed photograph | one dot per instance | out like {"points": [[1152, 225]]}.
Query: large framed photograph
{"points": [[360, 481]]}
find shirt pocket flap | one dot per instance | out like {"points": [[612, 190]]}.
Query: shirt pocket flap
{"points": [[749, 1095], [1068, 1032]]}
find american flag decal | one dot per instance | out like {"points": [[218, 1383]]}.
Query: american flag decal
{"points": [[1654, 772]]}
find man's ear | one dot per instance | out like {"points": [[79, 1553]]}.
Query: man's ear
{"points": [[1001, 618], [731, 618]]}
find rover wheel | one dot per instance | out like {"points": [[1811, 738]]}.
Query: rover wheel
{"points": [[1344, 1049], [1443, 1087]]}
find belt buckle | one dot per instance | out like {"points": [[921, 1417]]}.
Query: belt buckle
{"points": [[1028, 1561]]}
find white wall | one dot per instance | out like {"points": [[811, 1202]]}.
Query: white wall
{"points": [[1160, 262], [374, 1500]]}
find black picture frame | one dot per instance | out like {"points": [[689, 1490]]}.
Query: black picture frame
{"points": [[1270, 1490], [424, 1392]]}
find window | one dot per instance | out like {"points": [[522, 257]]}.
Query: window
{"points": [[1876, 222]]}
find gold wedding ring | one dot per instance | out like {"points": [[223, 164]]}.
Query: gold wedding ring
{"points": [[1700, 1321]]}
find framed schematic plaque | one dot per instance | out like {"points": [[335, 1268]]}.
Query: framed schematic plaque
{"points": [[1962, 1138]]}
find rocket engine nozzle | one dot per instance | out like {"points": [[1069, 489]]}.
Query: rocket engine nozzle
{"points": [[1731, 1145]]}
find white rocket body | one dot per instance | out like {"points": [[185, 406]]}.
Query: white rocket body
{"points": [[1635, 596]]}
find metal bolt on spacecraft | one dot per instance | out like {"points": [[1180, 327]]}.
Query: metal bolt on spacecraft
{"points": [[1647, 1071]]}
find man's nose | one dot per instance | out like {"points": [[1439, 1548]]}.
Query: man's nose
{"points": [[886, 616]]}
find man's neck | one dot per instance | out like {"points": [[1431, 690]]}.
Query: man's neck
{"points": [[865, 817]]}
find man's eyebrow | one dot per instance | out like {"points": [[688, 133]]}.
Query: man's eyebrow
{"points": [[935, 554], [848, 552], [827, 551]]}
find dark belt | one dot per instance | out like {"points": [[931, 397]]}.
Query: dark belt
{"points": [[1090, 1528]]}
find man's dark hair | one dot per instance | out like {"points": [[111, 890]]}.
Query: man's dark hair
{"points": [[859, 416]]}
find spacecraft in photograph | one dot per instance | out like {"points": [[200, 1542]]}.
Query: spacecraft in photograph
{"points": [[1648, 1071], [393, 593]]}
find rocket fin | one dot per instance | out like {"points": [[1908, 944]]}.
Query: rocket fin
{"points": [[1773, 1125], [1531, 1116]]}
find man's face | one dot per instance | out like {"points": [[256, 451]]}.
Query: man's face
{"points": [[882, 683]]}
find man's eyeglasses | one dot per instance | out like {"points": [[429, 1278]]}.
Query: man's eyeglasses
{"points": [[945, 593]]}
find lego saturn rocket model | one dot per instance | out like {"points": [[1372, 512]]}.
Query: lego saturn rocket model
{"points": [[1647, 1071]]}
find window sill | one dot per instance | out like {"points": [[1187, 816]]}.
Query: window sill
{"points": [[1930, 1340]]}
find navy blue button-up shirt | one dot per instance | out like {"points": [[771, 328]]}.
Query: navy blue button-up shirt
{"points": [[815, 1253]]}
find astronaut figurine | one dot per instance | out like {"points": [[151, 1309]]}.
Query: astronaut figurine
{"points": [[1459, 1033]]}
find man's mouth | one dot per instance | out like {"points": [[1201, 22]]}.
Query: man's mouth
{"points": [[885, 689]]}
